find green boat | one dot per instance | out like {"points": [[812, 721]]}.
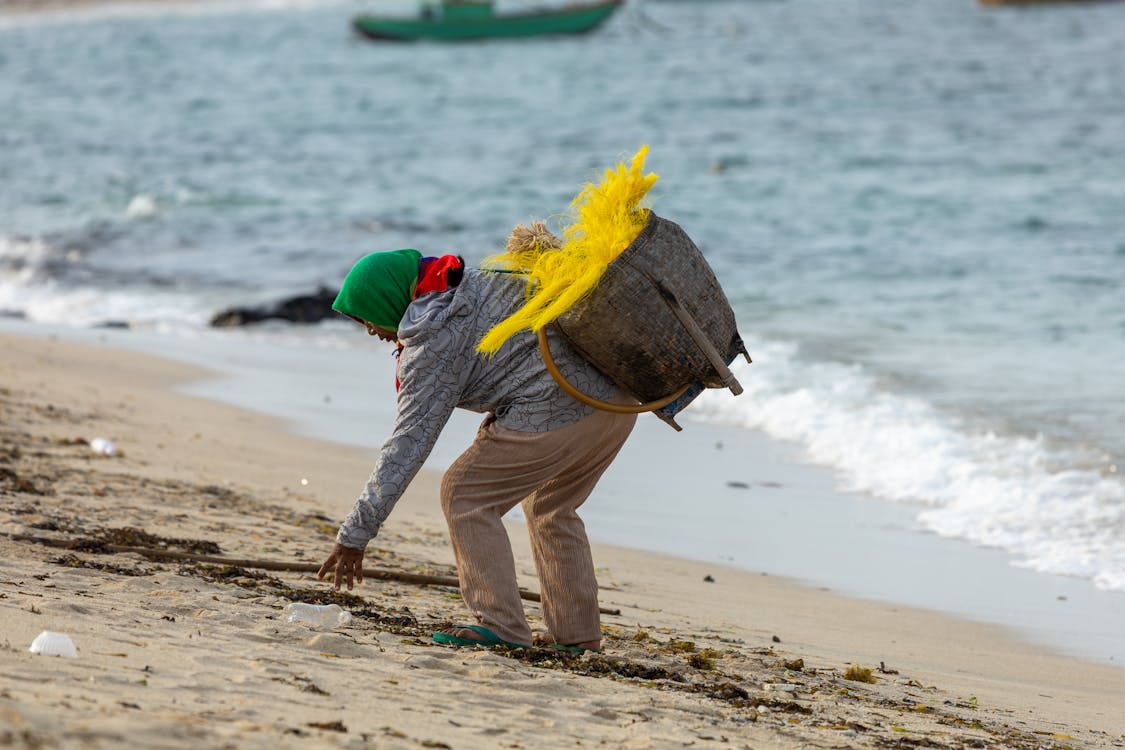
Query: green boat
{"points": [[452, 21]]}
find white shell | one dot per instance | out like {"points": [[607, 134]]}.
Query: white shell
{"points": [[50, 643], [103, 446]]}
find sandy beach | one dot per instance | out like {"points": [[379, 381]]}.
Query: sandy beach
{"points": [[181, 653], [897, 254]]}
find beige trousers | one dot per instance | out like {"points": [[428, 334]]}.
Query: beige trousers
{"points": [[551, 474]]}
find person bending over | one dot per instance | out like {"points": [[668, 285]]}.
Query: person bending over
{"points": [[537, 447]]}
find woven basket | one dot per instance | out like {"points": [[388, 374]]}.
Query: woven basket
{"points": [[630, 329]]}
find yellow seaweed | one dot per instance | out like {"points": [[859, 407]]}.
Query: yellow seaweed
{"points": [[605, 219]]}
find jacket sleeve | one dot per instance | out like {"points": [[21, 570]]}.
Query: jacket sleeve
{"points": [[429, 390]]}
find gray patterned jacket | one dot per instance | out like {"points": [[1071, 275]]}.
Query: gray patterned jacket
{"points": [[439, 370]]}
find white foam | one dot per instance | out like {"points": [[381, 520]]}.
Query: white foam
{"points": [[21, 260], [141, 207], [27, 290], [1056, 512], [17, 253], [46, 303]]}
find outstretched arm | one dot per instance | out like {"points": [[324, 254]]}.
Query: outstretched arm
{"points": [[425, 403]]}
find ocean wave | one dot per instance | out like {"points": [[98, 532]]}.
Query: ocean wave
{"points": [[23, 259], [1055, 509], [88, 307], [32, 287]]}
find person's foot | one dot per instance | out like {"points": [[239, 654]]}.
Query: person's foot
{"points": [[579, 648], [467, 634], [471, 635]]}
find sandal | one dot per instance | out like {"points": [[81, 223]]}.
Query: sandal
{"points": [[576, 650], [490, 639]]}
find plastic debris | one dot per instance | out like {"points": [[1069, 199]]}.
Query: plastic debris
{"points": [[324, 616]]}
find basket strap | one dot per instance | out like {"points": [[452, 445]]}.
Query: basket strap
{"points": [[552, 368], [699, 337]]}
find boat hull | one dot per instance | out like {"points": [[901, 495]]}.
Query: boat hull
{"points": [[571, 20]]}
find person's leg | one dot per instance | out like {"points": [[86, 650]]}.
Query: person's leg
{"points": [[473, 503], [499, 469], [558, 537]]}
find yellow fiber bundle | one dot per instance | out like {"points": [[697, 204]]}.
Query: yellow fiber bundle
{"points": [[606, 219]]}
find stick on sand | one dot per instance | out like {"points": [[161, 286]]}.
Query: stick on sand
{"points": [[383, 574]]}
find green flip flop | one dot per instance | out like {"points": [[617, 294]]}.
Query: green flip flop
{"points": [[577, 650], [490, 638]]}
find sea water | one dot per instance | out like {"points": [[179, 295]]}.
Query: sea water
{"points": [[915, 208]]}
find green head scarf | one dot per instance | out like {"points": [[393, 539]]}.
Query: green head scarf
{"points": [[379, 287]]}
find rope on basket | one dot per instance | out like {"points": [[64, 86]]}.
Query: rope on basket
{"points": [[552, 368]]}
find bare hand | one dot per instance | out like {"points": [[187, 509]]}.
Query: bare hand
{"points": [[348, 564]]}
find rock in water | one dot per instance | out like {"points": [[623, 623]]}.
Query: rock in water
{"points": [[306, 308]]}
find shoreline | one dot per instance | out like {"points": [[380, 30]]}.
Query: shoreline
{"points": [[195, 468], [781, 517], [178, 212]]}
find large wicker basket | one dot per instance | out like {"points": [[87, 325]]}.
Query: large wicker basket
{"points": [[658, 322]]}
